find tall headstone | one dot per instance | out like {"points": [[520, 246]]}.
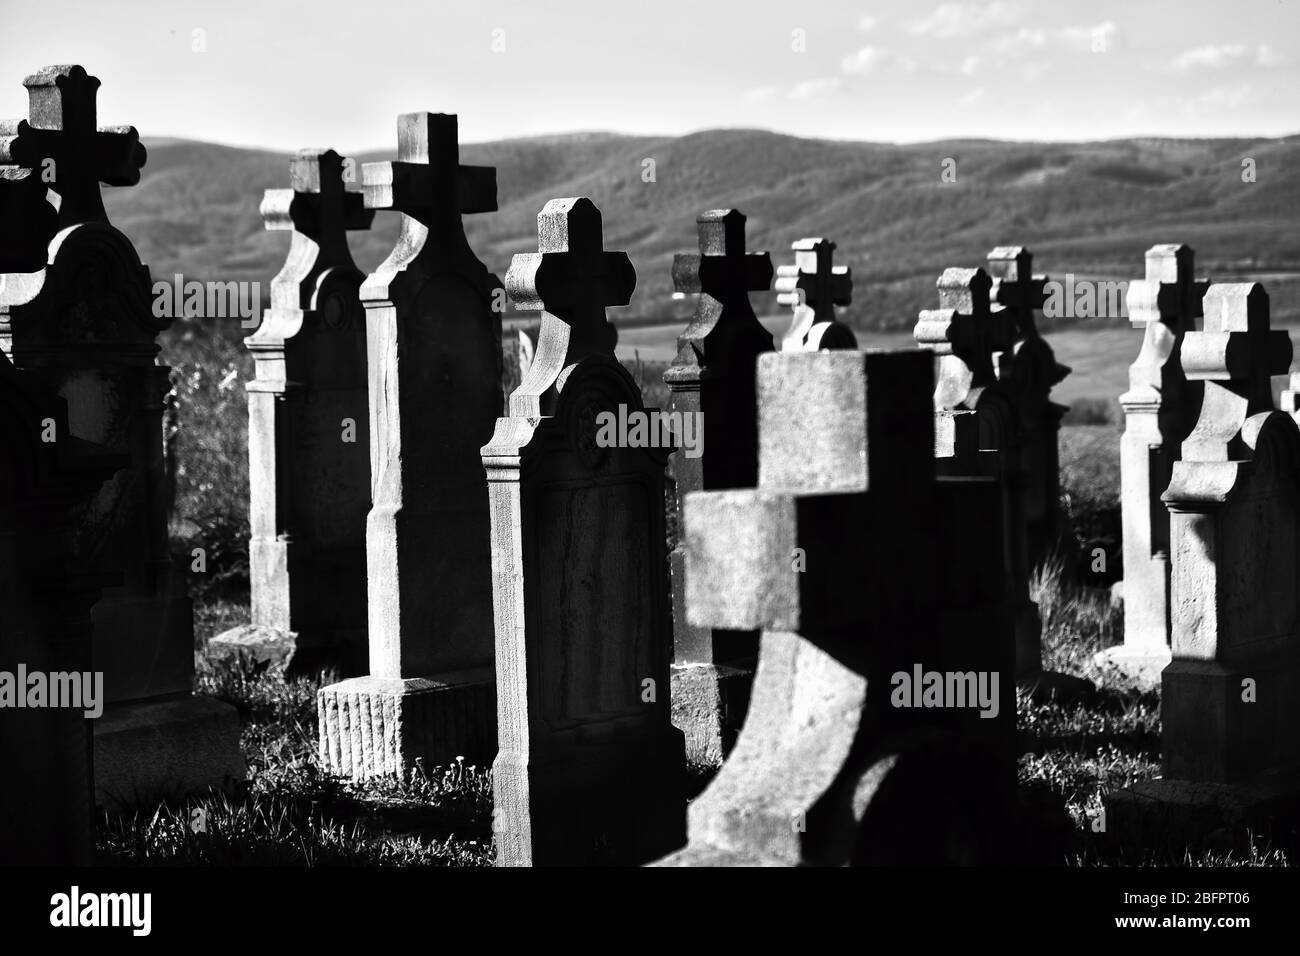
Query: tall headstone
{"points": [[1029, 370], [813, 287], [863, 573], [712, 381], [433, 333], [47, 476], [85, 325], [1230, 698], [590, 768], [308, 445], [1160, 408], [978, 426]]}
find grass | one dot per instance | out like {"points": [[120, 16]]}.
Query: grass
{"points": [[289, 813]]}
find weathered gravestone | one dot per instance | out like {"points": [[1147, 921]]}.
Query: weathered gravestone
{"points": [[85, 326], [813, 287], [1028, 370], [590, 768], [433, 332], [308, 447], [978, 428], [864, 573], [1160, 409], [712, 383], [46, 478], [1230, 698]]}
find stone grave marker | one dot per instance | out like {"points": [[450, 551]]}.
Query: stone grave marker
{"points": [[858, 566], [590, 768], [433, 332], [813, 287], [1230, 696], [308, 437], [977, 425], [1029, 370], [1160, 408], [85, 326], [712, 380]]}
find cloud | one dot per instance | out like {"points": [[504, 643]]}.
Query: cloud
{"points": [[810, 88], [867, 24], [1005, 50], [1080, 38], [1220, 56], [871, 59], [971, 98], [760, 94], [963, 19]]}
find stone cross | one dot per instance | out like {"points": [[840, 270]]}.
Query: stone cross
{"points": [[589, 768], [433, 358], [813, 287], [1016, 288], [320, 209], [309, 467], [712, 381], [1235, 356], [848, 504], [968, 337], [571, 279], [1160, 408], [60, 139], [1029, 369]]}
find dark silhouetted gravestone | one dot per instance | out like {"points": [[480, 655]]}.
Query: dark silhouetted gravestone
{"points": [[1230, 698], [85, 326], [813, 287], [46, 478], [308, 434], [1160, 408], [433, 328], [857, 566], [712, 379], [590, 768], [977, 426], [1028, 370]]}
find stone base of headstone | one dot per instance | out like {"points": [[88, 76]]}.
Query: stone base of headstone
{"points": [[709, 703], [380, 726], [147, 751], [583, 796], [1178, 816], [1141, 666], [279, 647]]}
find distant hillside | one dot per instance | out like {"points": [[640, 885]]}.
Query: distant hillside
{"points": [[1090, 209]]}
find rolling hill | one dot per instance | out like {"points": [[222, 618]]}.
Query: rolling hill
{"points": [[1087, 208]]}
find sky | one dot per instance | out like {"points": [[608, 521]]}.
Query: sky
{"points": [[284, 75]]}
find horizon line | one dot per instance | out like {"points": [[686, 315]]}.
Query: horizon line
{"points": [[614, 134]]}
